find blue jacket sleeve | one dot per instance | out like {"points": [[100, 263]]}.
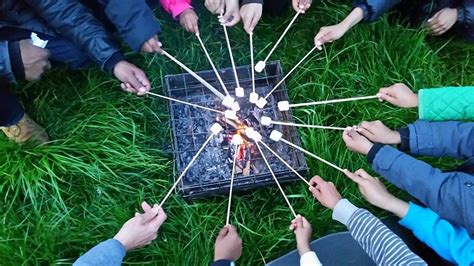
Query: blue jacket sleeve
{"points": [[449, 241], [134, 21], [449, 194], [6, 73], [466, 12], [437, 139], [107, 253], [374, 9]]}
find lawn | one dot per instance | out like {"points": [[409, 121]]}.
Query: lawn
{"points": [[111, 150]]}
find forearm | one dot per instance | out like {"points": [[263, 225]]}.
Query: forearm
{"points": [[356, 16]]}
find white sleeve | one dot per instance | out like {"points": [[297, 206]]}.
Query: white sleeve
{"points": [[309, 259]]}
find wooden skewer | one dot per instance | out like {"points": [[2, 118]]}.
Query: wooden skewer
{"points": [[231, 56], [212, 64], [285, 163], [187, 103], [276, 180], [252, 61], [312, 155], [334, 101], [307, 126], [231, 185], [291, 71], [196, 76]]}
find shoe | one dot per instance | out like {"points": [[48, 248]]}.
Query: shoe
{"points": [[26, 130]]}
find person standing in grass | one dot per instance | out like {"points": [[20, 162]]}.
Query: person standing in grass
{"points": [[443, 15]]}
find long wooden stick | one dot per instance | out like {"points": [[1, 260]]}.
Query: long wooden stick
{"points": [[307, 126], [291, 71], [334, 101], [231, 56], [183, 102], [231, 186], [276, 180], [212, 64], [312, 155], [196, 76], [252, 62]]}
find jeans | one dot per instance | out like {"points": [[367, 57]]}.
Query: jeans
{"points": [[11, 111]]}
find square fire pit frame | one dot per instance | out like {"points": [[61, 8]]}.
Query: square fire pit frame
{"points": [[185, 87]]}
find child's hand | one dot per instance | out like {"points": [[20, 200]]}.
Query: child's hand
{"points": [[189, 21], [153, 45], [228, 244], [302, 5], [302, 229], [133, 79], [215, 6], [329, 34], [376, 131], [442, 21], [250, 14], [231, 15], [356, 142], [399, 95], [325, 192]]}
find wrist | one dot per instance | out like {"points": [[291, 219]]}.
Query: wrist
{"points": [[396, 137], [303, 248], [396, 206], [367, 149], [122, 240]]}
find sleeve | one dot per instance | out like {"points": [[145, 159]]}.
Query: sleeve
{"points": [[438, 139], [175, 7], [449, 241], [466, 12], [134, 21], [6, 72], [75, 22], [443, 104], [381, 244], [374, 9], [223, 263], [244, 2], [107, 253], [310, 259], [449, 194]]}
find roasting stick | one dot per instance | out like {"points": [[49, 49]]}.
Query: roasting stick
{"points": [[212, 64], [253, 95], [215, 129], [261, 64], [183, 102], [267, 121], [285, 163], [274, 177], [196, 76], [285, 106], [239, 91], [232, 183], [277, 137]]}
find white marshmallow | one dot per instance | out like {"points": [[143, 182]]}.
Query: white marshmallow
{"points": [[261, 103], [249, 132], [216, 128], [256, 136], [228, 101], [283, 106], [265, 121], [253, 97], [237, 140], [239, 92], [259, 66], [276, 135], [235, 106], [230, 114]]}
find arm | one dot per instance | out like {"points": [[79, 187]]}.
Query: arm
{"points": [[442, 104], [175, 7], [110, 252], [381, 244], [449, 241]]}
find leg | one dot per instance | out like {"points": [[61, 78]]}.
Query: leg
{"points": [[11, 111]]}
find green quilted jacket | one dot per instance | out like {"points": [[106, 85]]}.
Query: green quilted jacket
{"points": [[450, 103]]}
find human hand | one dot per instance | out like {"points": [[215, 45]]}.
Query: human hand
{"points": [[228, 244], [231, 15], [399, 95], [376, 131], [153, 45], [35, 60], [302, 5], [324, 192], [375, 192], [189, 21], [140, 230], [356, 142], [302, 229], [442, 21], [133, 79], [251, 14], [329, 34], [215, 6]]}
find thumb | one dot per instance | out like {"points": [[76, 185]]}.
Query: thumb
{"points": [[145, 206], [150, 215], [223, 232], [353, 177], [362, 173], [299, 221]]}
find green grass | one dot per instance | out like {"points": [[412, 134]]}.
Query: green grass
{"points": [[110, 149]]}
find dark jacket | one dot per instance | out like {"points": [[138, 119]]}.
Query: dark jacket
{"points": [[450, 194]]}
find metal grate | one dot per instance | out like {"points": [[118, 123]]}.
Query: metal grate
{"points": [[210, 174]]}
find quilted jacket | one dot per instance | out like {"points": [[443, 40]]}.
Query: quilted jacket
{"points": [[451, 103]]}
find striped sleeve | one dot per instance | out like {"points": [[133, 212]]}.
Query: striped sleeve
{"points": [[381, 244]]}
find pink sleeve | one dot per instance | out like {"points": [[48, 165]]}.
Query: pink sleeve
{"points": [[175, 7]]}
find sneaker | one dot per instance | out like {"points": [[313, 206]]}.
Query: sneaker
{"points": [[26, 130]]}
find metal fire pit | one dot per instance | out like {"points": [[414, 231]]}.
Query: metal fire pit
{"points": [[210, 174]]}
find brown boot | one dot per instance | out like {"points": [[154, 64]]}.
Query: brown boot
{"points": [[25, 130]]}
